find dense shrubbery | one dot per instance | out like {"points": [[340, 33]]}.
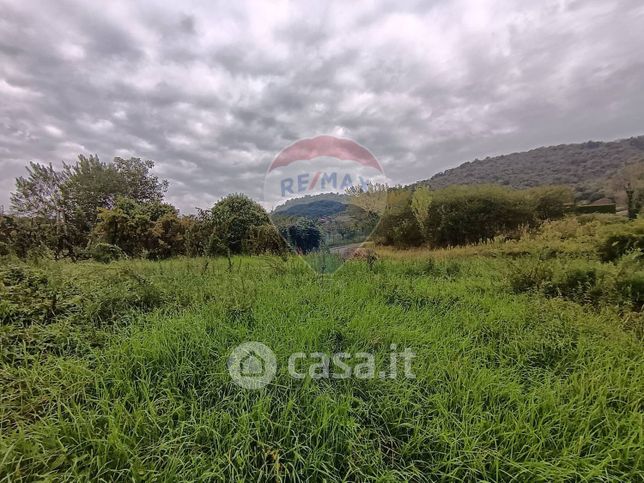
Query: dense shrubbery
{"points": [[105, 252], [460, 215], [621, 240], [90, 205], [303, 235], [583, 281], [398, 226], [31, 295]]}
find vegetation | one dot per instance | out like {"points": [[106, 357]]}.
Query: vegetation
{"points": [[118, 371], [118, 314], [460, 215], [586, 166]]}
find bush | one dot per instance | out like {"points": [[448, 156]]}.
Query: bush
{"points": [[620, 241], [529, 275], [608, 208], [398, 224], [105, 253], [4, 249], [578, 282], [461, 215], [631, 287], [265, 239], [233, 218], [27, 295]]}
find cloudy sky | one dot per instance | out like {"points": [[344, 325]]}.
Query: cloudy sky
{"points": [[212, 91]]}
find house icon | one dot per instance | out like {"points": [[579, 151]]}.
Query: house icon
{"points": [[252, 365]]}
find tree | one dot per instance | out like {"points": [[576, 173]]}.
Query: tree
{"points": [[373, 199], [420, 202], [630, 182], [136, 180], [92, 184], [398, 226], [265, 239], [303, 236], [232, 219], [551, 202], [152, 229], [198, 229], [39, 194], [38, 199]]}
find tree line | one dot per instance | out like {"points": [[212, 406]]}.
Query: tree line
{"points": [[460, 215], [94, 209], [106, 210]]}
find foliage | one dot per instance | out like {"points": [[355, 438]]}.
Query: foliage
{"points": [[265, 239], [461, 215], [304, 236], [25, 235], [66, 203], [28, 296], [551, 202], [586, 209], [503, 380], [198, 229], [585, 166], [105, 252], [398, 226], [233, 218], [621, 240], [583, 281], [152, 229]]}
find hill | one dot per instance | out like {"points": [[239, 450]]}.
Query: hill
{"points": [[585, 166], [314, 209]]}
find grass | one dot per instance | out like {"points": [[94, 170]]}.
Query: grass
{"points": [[509, 386]]}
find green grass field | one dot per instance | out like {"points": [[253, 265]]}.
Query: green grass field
{"points": [[118, 372]]}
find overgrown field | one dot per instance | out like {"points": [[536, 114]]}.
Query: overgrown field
{"points": [[118, 371]]}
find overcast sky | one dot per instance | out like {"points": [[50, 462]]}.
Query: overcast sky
{"points": [[212, 91]]}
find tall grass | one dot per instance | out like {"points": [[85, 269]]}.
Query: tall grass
{"points": [[508, 386]]}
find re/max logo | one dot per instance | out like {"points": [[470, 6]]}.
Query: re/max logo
{"points": [[308, 182]]}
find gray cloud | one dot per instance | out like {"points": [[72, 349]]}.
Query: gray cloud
{"points": [[211, 91]]}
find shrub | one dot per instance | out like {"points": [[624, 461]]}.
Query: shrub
{"points": [[608, 208], [4, 249], [27, 295], [529, 275], [631, 287], [265, 239], [551, 202], [620, 241], [105, 253], [578, 282], [461, 215], [233, 218], [398, 224]]}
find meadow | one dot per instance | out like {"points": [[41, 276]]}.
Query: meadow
{"points": [[115, 372]]}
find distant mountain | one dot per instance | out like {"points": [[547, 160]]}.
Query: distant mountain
{"points": [[314, 209], [580, 165], [303, 200]]}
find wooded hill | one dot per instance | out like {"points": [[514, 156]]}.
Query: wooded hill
{"points": [[584, 166]]}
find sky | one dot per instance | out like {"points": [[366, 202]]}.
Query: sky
{"points": [[212, 91]]}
